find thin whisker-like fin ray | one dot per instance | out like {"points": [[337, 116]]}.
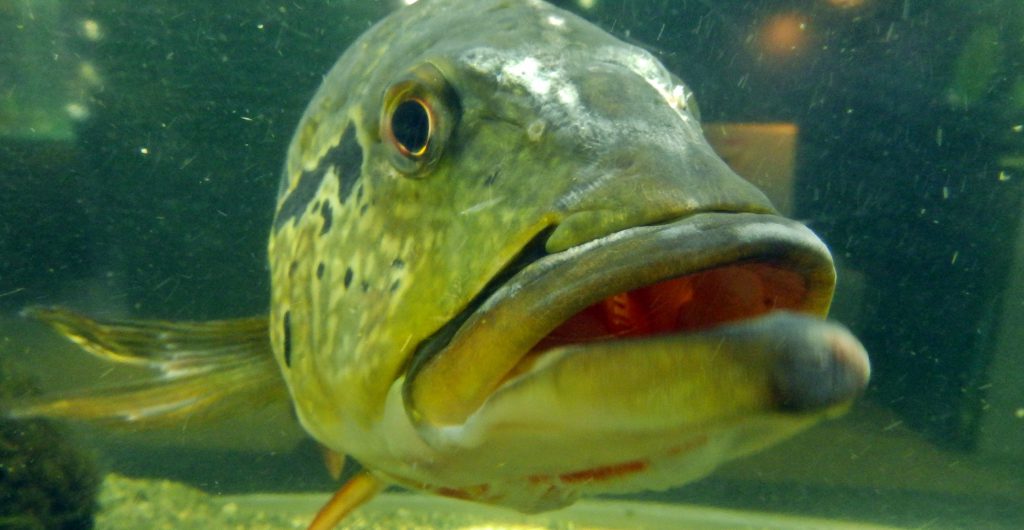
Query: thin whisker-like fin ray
{"points": [[203, 370]]}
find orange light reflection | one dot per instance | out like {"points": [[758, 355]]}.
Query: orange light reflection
{"points": [[783, 35]]}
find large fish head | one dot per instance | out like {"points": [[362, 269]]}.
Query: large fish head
{"points": [[532, 256]]}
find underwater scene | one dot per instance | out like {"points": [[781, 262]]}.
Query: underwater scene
{"points": [[511, 264]]}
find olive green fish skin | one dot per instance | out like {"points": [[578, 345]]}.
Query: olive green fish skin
{"points": [[506, 267], [557, 125]]}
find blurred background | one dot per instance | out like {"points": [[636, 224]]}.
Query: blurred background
{"points": [[141, 144]]}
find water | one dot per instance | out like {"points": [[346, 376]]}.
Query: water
{"points": [[141, 143]]}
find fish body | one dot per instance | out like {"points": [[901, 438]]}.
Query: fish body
{"points": [[506, 266], [549, 150]]}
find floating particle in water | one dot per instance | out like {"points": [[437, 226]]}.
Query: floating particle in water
{"points": [[846, 4], [90, 29], [77, 111]]}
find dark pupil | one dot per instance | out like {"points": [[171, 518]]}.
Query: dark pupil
{"points": [[411, 126]]}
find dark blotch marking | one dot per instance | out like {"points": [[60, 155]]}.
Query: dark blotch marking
{"points": [[395, 285], [492, 178], [292, 268], [363, 208], [359, 193], [297, 201], [319, 270], [366, 286], [398, 263], [348, 277], [288, 339], [347, 159], [325, 212]]}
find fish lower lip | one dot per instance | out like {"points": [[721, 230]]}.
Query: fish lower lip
{"points": [[531, 310]]}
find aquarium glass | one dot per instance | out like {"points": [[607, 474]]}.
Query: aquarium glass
{"points": [[141, 145]]}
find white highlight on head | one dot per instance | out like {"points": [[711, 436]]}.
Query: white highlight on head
{"points": [[680, 99], [555, 21], [643, 64], [527, 73], [568, 95], [546, 77], [541, 74]]}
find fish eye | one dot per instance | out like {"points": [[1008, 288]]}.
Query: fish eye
{"points": [[418, 115], [411, 127]]}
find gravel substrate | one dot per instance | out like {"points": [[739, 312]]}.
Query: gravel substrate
{"points": [[162, 504], [139, 504], [133, 504]]}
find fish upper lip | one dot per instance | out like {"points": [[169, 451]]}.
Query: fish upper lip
{"points": [[539, 291]]}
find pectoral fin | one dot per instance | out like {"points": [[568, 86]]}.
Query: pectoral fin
{"points": [[353, 494], [203, 370]]}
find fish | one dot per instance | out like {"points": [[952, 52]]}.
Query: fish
{"points": [[506, 267]]}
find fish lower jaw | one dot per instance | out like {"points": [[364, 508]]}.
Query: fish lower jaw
{"points": [[628, 415], [543, 465]]}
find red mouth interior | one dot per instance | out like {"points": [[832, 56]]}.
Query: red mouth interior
{"points": [[696, 301]]}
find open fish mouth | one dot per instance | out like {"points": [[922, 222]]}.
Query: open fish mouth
{"points": [[754, 282]]}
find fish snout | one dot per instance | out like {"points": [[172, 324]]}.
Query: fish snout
{"points": [[641, 185], [820, 368]]}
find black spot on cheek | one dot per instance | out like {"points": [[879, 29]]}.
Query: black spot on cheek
{"points": [[320, 271], [328, 216], [347, 159], [398, 263], [287, 339], [395, 285], [300, 197], [363, 208], [348, 277]]}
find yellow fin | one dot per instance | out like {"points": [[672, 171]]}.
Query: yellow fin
{"points": [[353, 494], [204, 370], [333, 461]]}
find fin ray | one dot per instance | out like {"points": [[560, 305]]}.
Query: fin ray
{"points": [[154, 342], [353, 494], [204, 370]]}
